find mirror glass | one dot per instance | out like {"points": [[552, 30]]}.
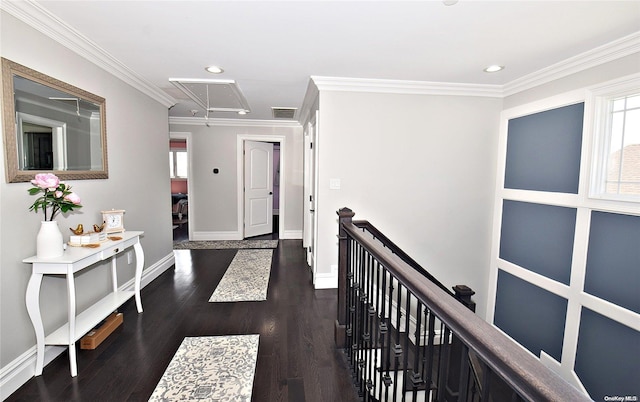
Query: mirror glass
{"points": [[51, 126]]}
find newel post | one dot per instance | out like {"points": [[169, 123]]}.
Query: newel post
{"points": [[344, 217], [463, 295], [458, 352]]}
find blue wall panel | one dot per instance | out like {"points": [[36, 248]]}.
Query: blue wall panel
{"points": [[532, 316], [607, 357], [543, 150], [539, 238], [613, 259]]}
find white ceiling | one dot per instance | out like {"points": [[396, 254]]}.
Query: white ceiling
{"points": [[271, 49]]}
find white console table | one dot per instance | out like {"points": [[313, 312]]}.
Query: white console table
{"points": [[73, 260]]}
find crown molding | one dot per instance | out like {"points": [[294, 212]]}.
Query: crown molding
{"points": [[622, 47], [617, 49], [200, 121], [405, 87], [34, 15]]}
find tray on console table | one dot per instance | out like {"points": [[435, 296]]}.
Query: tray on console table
{"points": [[73, 260]]}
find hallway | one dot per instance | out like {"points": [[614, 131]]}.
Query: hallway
{"points": [[297, 360]]}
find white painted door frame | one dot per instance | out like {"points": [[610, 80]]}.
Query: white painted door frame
{"points": [[310, 193], [258, 188], [281, 139], [175, 135]]}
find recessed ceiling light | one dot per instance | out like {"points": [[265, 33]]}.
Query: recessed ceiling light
{"points": [[493, 69], [214, 69], [449, 2], [243, 112]]}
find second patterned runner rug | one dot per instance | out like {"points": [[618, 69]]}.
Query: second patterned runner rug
{"points": [[247, 277]]}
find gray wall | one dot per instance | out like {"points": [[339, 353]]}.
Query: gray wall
{"points": [[137, 139], [421, 168], [213, 198]]}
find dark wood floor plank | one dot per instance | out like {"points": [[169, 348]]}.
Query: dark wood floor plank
{"points": [[297, 360]]}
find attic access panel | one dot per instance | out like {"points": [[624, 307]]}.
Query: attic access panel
{"points": [[213, 95]]}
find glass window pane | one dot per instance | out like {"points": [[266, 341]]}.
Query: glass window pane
{"points": [[181, 164], [633, 101], [623, 164], [632, 127], [171, 172], [618, 104]]}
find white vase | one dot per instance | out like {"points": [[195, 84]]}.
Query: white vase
{"points": [[49, 243]]}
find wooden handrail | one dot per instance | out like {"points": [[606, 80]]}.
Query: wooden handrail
{"points": [[517, 367]]}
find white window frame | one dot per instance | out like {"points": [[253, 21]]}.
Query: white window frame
{"points": [[174, 169], [599, 98]]}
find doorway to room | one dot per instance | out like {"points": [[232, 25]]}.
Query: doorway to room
{"points": [[179, 174]]}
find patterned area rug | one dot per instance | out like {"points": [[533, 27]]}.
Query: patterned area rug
{"points": [[210, 368], [246, 279], [224, 244]]}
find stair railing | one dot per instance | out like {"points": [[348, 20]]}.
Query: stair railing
{"points": [[406, 337]]}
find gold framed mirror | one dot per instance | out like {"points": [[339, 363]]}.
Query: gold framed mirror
{"points": [[51, 126]]}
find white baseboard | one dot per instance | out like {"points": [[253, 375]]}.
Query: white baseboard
{"points": [[231, 235], [23, 368], [325, 281], [292, 234]]}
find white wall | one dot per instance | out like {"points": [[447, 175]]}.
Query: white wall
{"points": [[421, 168], [137, 139], [213, 198]]}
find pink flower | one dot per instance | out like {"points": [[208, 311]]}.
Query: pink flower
{"points": [[46, 181], [73, 197]]}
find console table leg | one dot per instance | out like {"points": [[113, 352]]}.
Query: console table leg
{"points": [[71, 292], [114, 274], [33, 308], [139, 267]]}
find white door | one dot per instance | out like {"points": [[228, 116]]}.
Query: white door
{"points": [[258, 188]]}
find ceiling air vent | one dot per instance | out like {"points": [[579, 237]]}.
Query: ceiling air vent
{"points": [[283, 112]]}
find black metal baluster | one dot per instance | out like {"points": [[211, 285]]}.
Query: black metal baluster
{"points": [[443, 368], [416, 377], [463, 387], [405, 362], [355, 326], [359, 322], [384, 329], [349, 300], [388, 379], [431, 329], [485, 392], [397, 351], [366, 337], [353, 308]]}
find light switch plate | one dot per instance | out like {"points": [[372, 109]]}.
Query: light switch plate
{"points": [[334, 184]]}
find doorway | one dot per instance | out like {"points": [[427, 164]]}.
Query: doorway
{"points": [[261, 201], [180, 168]]}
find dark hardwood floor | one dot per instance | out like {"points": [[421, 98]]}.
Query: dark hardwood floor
{"points": [[297, 359]]}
